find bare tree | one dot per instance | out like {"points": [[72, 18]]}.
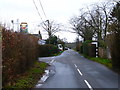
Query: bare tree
{"points": [[105, 10], [99, 19], [81, 27], [92, 22], [51, 27]]}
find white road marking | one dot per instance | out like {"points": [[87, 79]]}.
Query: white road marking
{"points": [[79, 72], [75, 65], [38, 85], [89, 86], [52, 61], [43, 79]]}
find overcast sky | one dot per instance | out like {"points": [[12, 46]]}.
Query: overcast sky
{"points": [[58, 10]]}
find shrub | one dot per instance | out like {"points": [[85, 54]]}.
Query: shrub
{"points": [[103, 61], [102, 44], [86, 47], [47, 50], [78, 47], [114, 41], [81, 49], [114, 45], [92, 50], [19, 51]]}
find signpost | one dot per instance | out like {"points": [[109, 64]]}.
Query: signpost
{"points": [[41, 42], [24, 27]]}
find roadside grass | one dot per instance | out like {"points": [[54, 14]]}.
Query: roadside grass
{"points": [[103, 61], [30, 78], [106, 62], [59, 53]]}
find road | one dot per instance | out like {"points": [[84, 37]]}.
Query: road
{"points": [[71, 70]]}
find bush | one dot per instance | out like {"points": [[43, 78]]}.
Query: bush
{"points": [[78, 46], [30, 77], [103, 61], [86, 47], [114, 40], [19, 51], [47, 50], [92, 50], [102, 44], [81, 49], [114, 45]]}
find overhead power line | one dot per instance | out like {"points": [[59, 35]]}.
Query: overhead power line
{"points": [[42, 8], [37, 10]]}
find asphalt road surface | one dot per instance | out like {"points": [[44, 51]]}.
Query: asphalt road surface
{"points": [[71, 70]]}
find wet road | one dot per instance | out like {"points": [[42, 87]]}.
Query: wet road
{"points": [[71, 70]]}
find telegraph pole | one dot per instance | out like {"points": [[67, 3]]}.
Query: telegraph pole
{"points": [[14, 25], [18, 25], [40, 35], [12, 21], [48, 30], [48, 24]]}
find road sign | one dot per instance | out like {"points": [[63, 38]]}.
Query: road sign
{"points": [[24, 27], [41, 42]]}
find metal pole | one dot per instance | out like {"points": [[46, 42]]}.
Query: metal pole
{"points": [[18, 25], [48, 30], [13, 24]]}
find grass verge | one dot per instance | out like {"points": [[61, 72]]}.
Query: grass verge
{"points": [[106, 62], [103, 61], [30, 78], [59, 53]]}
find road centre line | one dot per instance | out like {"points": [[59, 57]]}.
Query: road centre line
{"points": [[52, 61], [75, 65], [79, 72], [89, 86]]}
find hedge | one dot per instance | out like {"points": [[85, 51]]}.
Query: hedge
{"points": [[114, 45], [88, 49], [47, 50], [19, 51]]}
